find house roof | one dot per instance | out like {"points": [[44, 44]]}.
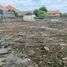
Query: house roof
{"points": [[29, 13], [54, 12], [10, 7], [2, 7]]}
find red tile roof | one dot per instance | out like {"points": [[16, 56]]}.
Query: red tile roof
{"points": [[1, 7], [10, 7], [7, 7], [54, 12]]}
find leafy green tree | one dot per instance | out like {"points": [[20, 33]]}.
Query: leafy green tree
{"points": [[40, 13], [16, 14], [43, 9], [36, 12]]}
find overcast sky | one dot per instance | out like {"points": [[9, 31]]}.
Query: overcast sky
{"points": [[60, 5]]}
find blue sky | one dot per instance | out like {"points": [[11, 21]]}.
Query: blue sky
{"points": [[60, 5]]}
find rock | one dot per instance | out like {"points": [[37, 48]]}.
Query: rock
{"points": [[63, 44], [2, 61], [21, 34], [65, 58], [13, 58], [46, 48], [4, 51]]}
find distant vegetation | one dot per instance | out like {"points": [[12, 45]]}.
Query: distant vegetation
{"points": [[64, 14], [16, 14]]}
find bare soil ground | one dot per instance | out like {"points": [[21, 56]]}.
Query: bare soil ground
{"points": [[33, 34]]}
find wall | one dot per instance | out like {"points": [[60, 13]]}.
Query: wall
{"points": [[28, 18], [31, 18], [11, 19]]}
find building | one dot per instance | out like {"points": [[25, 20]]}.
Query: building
{"points": [[19, 13], [10, 8], [4, 12], [54, 13], [1, 10], [28, 16]]}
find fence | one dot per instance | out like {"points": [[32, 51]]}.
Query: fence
{"points": [[20, 19], [56, 18], [11, 19]]}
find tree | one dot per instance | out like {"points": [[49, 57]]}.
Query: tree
{"points": [[16, 14], [36, 12], [40, 13], [64, 14], [43, 9]]}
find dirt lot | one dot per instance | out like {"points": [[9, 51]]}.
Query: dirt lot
{"points": [[30, 34]]}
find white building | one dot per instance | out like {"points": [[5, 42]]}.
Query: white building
{"points": [[28, 17]]}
